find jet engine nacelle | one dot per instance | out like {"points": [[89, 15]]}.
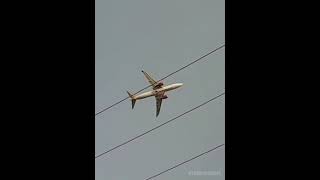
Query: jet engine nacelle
{"points": [[159, 85], [164, 97]]}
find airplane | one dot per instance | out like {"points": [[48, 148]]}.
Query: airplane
{"points": [[158, 92]]}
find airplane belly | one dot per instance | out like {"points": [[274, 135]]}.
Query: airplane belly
{"points": [[145, 95], [167, 88]]}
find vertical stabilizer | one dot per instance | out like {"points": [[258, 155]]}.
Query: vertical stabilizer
{"points": [[133, 100]]}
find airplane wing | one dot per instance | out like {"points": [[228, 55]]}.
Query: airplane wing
{"points": [[158, 101], [151, 81]]}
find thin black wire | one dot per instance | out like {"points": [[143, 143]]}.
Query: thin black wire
{"points": [[184, 162], [162, 79], [159, 126]]}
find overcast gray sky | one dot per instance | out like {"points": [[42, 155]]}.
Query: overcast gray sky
{"points": [[159, 37]]}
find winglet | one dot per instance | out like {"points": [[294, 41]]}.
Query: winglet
{"points": [[133, 101]]}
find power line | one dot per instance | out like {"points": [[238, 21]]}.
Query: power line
{"points": [[184, 162], [136, 137], [162, 78]]}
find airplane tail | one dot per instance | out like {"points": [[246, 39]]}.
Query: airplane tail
{"points": [[133, 100]]}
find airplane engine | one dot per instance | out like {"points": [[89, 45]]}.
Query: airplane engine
{"points": [[159, 85], [164, 97]]}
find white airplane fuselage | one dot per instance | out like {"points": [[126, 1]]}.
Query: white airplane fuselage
{"points": [[158, 91]]}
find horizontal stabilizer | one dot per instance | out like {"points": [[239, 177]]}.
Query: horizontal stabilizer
{"points": [[133, 100]]}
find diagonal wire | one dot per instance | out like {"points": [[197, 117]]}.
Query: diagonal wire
{"points": [[162, 79], [136, 137], [184, 162]]}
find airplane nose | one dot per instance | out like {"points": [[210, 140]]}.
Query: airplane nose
{"points": [[180, 84]]}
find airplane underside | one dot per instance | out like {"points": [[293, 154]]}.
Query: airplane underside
{"points": [[158, 92]]}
